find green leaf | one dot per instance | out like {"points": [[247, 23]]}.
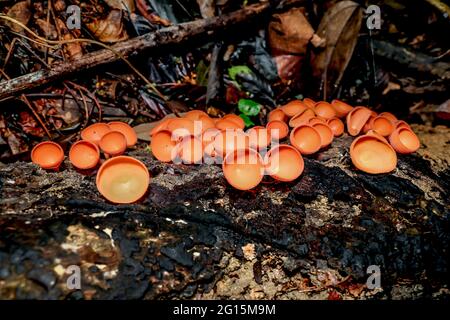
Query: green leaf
{"points": [[248, 122], [234, 71], [249, 107], [202, 71]]}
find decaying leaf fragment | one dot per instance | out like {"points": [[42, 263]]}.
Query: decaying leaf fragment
{"points": [[73, 49], [289, 36], [20, 12], [340, 28], [110, 29], [127, 5]]}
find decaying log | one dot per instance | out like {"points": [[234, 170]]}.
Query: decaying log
{"points": [[155, 40], [193, 236]]}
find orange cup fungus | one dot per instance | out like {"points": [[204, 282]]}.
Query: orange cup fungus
{"points": [[95, 132], [113, 143], [305, 139], [84, 155], [277, 129], [126, 130], [371, 153], [48, 155], [123, 179], [243, 168], [404, 140], [284, 163]]}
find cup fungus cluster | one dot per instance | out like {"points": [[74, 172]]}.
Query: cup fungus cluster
{"points": [[120, 179], [245, 156], [379, 136]]}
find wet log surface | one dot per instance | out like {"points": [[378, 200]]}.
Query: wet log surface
{"points": [[195, 237]]}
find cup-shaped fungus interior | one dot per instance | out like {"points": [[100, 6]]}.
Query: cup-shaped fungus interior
{"points": [[305, 139], [372, 155], [243, 168], [113, 143], [48, 155], [163, 146], [284, 163], [84, 155], [123, 179]]}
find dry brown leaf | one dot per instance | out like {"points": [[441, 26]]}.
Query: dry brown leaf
{"points": [[20, 12], [74, 49], [110, 29], [207, 8], [289, 35], [340, 28], [127, 5], [47, 28], [290, 32]]}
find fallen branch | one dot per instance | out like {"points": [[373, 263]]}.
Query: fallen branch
{"points": [[413, 60], [163, 37]]}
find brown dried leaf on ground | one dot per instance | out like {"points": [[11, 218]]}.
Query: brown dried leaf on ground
{"points": [[20, 12], [74, 50], [127, 5], [110, 29], [340, 27], [29, 125], [47, 29], [289, 36]]}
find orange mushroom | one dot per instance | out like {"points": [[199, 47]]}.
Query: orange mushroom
{"points": [[310, 103], [95, 132], [356, 119], [305, 139], [84, 155], [164, 146], [324, 110], [113, 143], [259, 137], [404, 140], [123, 179], [243, 168], [372, 154], [382, 125], [229, 140], [284, 163], [236, 119], [190, 150], [325, 132], [126, 130], [277, 129], [225, 124], [337, 126], [341, 108], [294, 107], [301, 118], [277, 114], [48, 155], [389, 115]]}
